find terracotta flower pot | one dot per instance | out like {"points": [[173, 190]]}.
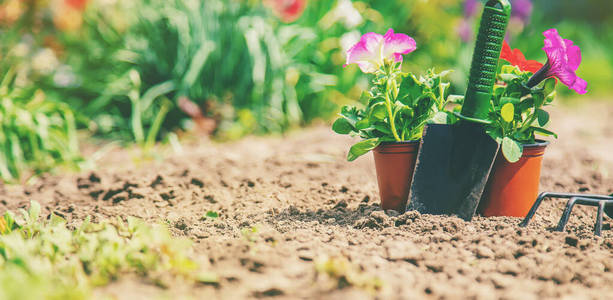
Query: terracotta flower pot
{"points": [[513, 187], [395, 162]]}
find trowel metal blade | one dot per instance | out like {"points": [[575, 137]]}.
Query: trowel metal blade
{"points": [[453, 165]]}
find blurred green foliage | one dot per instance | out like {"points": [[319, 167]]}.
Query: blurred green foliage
{"points": [[35, 134]]}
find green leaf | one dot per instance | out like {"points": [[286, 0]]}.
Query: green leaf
{"points": [[510, 69], [365, 97], [154, 92], [211, 214], [526, 137], [526, 104], [440, 118], [34, 211], [505, 100], [362, 124], [383, 128], [443, 90], [495, 134], [516, 89], [362, 148], [457, 99], [543, 117], [507, 112], [539, 99], [378, 111], [404, 110], [508, 77], [207, 277], [342, 126], [410, 89], [543, 131], [9, 217], [549, 86], [56, 220], [350, 113], [498, 90], [550, 97], [511, 149]]}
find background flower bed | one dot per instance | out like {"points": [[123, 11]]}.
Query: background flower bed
{"points": [[138, 71]]}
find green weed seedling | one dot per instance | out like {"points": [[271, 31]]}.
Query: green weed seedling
{"points": [[44, 259], [250, 234], [345, 274], [211, 215]]}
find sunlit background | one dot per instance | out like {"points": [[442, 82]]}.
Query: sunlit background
{"points": [[143, 71]]}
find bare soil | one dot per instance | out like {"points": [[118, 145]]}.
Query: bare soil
{"points": [[298, 221]]}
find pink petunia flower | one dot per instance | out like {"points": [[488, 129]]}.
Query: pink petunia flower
{"points": [[373, 49], [563, 59]]}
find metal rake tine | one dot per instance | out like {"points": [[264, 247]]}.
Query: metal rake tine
{"points": [[535, 206], [566, 214], [598, 225]]}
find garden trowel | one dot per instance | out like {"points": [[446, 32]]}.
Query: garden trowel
{"points": [[454, 161]]}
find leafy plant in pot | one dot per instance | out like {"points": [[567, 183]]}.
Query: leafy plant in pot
{"points": [[517, 116], [393, 112]]}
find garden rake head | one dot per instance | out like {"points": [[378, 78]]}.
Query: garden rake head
{"points": [[604, 204]]}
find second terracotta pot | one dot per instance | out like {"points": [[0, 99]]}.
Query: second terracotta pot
{"points": [[395, 162], [512, 188]]}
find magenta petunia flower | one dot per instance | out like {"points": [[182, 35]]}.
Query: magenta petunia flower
{"points": [[373, 49], [563, 59], [470, 8]]}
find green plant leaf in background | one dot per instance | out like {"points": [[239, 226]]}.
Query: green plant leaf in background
{"points": [[36, 134]]}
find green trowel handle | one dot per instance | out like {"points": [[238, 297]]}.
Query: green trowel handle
{"points": [[485, 58]]}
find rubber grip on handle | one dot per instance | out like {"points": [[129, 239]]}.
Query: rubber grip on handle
{"points": [[485, 58]]}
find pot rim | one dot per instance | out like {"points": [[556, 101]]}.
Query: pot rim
{"points": [[400, 143], [539, 143]]}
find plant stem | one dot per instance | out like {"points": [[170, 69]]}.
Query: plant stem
{"points": [[539, 76], [137, 125], [528, 123], [392, 120], [157, 123]]}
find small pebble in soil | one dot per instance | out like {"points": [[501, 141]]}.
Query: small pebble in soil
{"points": [[197, 182], [181, 224], [157, 181], [484, 252], [571, 241], [210, 198]]}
